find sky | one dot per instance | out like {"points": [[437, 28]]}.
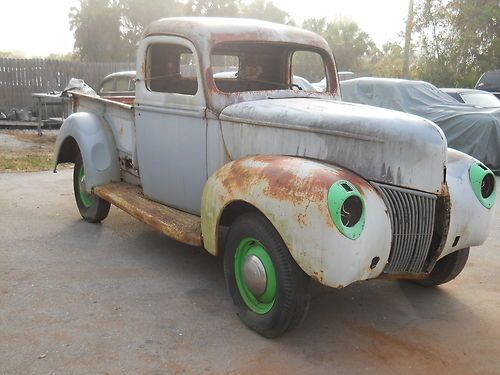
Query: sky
{"points": [[40, 27]]}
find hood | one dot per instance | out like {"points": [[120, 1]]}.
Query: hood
{"points": [[378, 144]]}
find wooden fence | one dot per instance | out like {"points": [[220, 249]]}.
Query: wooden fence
{"points": [[19, 78]]}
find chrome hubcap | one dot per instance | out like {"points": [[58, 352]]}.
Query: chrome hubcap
{"points": [[254, 275], [82, 183]]}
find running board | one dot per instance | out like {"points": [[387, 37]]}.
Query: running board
{"points": [[174, 223]]}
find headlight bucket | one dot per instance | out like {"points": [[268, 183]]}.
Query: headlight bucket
{"points": [[483, 184], [347, 209]]}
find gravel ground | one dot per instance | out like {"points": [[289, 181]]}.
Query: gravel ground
{"points": [[119, 298]]}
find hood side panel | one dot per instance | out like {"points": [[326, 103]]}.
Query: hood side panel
{"points": [[378, 144]]}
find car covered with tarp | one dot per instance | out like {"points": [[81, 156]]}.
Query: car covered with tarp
{"points": [[473, 130]]}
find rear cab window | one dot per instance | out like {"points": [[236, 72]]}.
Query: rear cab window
{"points": [[257, 66], [107, 85]]}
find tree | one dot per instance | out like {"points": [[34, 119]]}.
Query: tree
{"points": [[70, 56], [137, 14], [265, 10], [12, 55], [212, 8], [351, 46], [388, 62], [458, 40], [96, 25]]}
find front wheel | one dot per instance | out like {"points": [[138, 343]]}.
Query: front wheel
{"points": [[446, 269], [92, 208], [269, 290]]}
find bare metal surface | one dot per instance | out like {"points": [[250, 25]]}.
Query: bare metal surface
{"points": [[179, 225], [120, 298], [379, 145]]}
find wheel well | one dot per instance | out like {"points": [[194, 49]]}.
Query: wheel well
{"points": [[68, 152], [230, 213], [233, 210]]}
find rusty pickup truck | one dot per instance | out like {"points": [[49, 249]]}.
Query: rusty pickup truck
{"points": [[287, 184]]}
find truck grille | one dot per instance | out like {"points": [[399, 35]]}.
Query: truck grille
{"points": [[412, 221]]}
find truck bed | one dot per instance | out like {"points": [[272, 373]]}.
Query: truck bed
{"points": [[119, 116]]}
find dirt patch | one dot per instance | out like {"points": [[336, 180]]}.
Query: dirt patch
{"points": [[26, 151]]}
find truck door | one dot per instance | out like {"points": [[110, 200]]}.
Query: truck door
{"points": [[170, 123]]}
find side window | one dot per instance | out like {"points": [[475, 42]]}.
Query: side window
{"points": [[122, 84], [107, 85], [131, 85], [307, 67], [171, 68]]}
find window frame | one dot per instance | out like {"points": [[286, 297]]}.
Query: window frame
{"points": [[146, 97], [179, 54]]}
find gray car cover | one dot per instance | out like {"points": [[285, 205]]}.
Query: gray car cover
{"points": [[473, 130]]}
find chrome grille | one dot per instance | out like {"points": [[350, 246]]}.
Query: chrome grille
{"points": [[412, 221]]}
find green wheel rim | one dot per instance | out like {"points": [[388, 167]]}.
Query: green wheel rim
{"points": [[85, 198], [265, 302]]}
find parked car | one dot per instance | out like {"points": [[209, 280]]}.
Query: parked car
{"points": [[490, 81], [308, 186], [118, 86], [473, 97], [475, 131], [343, 76]]}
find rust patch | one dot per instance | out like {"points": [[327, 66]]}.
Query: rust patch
{"points": [[76, 103], [296, 181], [283, 180], [176, 224]]}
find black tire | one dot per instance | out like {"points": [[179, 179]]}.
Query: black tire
{"points": [[446, 269], [291, 301], [95, 209]]}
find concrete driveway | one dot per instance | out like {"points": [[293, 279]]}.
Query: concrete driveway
{"points": [[119, 298]]}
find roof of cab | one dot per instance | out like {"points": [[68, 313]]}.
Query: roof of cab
{"points": [[213, 30]]}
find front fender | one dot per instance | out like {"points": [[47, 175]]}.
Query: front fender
{"points": [[293, 194], [470, 221], [91, 136]]}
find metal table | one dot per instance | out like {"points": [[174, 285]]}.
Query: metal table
{"points": [[42, 100]]}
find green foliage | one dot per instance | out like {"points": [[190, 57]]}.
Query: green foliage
{"points": [[212, 8], [458, 40], [353, 48], [109, 30], [388, 62], [70, 56], [265, 10], [137, 14], [12, 55], [96, 25]]}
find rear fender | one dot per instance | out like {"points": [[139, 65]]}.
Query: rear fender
{"points": [[91, 136], [292, 193]]}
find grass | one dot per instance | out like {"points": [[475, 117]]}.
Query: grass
{"points": [[36, 153], [26, 162]]}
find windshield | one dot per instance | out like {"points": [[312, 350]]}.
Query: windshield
{"points": [[258, 66], [480, 99]]}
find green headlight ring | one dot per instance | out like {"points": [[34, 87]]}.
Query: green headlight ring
{"points": [[477, 172], [339, 192]]}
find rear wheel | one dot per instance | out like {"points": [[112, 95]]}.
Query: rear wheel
{"points": [[269, 290], [92, 208], [446, 269]]}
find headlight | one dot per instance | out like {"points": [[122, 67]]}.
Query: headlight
{"points": [[347, 209], [483, 184]]}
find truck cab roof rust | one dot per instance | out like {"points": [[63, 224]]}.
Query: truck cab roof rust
{"points": [[213, 35]]}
